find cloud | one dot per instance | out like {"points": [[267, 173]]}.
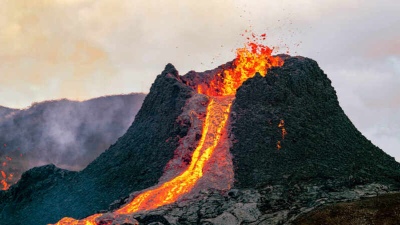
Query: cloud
{"points": [[42, 47]]}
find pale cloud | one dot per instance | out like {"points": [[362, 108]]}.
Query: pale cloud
{"points": [[39, 41]]}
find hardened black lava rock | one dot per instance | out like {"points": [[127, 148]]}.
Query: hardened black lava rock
{"points": [[321, 144]]}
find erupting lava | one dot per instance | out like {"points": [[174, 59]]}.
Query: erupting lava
{"points": [[5, 179], [249, 60], [221, 91]]}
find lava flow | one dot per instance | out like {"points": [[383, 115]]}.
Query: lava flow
{"points": [[221, 91]]}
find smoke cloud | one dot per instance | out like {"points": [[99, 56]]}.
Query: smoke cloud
{"points": [[66, 133]]}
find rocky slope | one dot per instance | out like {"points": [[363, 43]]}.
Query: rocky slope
{"points": [[67, 133], [322, 158], [321, 144]]}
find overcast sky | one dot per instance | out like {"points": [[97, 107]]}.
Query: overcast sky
{"points": [[79, 49]]}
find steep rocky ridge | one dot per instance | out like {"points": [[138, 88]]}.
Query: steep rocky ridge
{"points": [[321, 144]]}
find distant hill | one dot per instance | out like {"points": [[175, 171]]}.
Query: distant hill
{"points": [[66, 133], [4, 111]]}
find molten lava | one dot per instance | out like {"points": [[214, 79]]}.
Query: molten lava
{"points": [[249, 60], [283, 129], [6, 179], [221, 91], [216, 118], [281, 125]]}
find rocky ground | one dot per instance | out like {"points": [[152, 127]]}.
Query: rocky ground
{"points": [[383, 209], [278, 205]]}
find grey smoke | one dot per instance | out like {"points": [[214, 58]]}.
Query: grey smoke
{"points": [[66, 133]]}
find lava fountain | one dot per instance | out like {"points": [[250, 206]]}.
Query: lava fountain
{"points": [[221, 92]]}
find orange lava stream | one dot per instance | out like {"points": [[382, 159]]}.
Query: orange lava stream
{"points": [[216, 118], [91, 220]]}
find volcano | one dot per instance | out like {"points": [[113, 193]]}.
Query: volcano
{"points": [[259, 139]]}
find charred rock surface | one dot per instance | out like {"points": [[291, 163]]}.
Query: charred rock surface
{"points": [[383, 209], [34, 183], [274, 204], [135, 162], [321, 145]]}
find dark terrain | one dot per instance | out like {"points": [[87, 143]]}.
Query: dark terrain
{"points": [[384, 209], [321, 144], [324, 158]]}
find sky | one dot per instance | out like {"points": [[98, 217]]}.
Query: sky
{"points": [[80, 49]]}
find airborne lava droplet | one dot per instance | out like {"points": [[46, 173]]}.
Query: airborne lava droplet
{"points": [[278, 145], [283, 129]]}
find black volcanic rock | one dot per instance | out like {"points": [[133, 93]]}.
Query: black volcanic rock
{"points": [[382, 209], [39, 178], [321, 142], [135, 162]]}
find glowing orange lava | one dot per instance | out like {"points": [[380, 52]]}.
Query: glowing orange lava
{"points": [[216, 118], [249, 60], [91, 220], [5, 179], [281, 125], [221, 91], [283, 129]]}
